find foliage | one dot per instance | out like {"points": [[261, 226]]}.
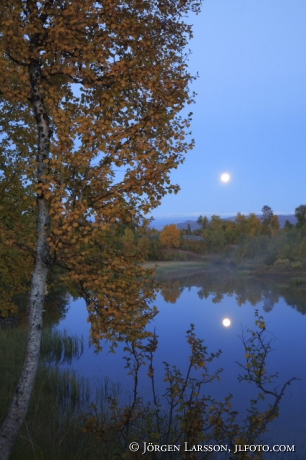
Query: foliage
{"points": [[288, 243], [113, 127], [270, 222], [254, 227], [246, 237], [170, 236], [267, 215], [16, 232], [128, 237], [90, 99], [221, 234], [194, 246], [203, 222], [300, 214], [214, 233], [251, 237]]}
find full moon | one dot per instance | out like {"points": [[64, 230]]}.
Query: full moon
{"points": [[226, 322], [225, 177]]}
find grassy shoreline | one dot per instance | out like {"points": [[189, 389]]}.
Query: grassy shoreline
{"points": [[284, 273], [177, 268]]}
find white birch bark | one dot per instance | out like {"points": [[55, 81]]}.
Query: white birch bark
{"points": [[19, 406]]}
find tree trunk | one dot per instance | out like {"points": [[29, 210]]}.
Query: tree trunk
{"points": [[19, 406]]}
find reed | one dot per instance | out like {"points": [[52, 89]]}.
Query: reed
{"points": [[58, 347], [53, 427]]}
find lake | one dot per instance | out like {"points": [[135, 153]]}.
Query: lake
{"points": [[206, 299]]}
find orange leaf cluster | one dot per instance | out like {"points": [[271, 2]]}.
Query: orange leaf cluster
{"points": [[91, 94]]}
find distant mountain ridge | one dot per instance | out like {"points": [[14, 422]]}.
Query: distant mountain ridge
{"points": [[159, 224]]}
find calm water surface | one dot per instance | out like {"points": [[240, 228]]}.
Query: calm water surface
{"points": [[205, 300]]}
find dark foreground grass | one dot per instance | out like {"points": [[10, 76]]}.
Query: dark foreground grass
{"points": [[53, 427]]}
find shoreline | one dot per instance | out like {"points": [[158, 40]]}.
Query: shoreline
{"points": [[285, 273]]}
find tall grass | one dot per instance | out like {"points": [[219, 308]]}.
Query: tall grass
{"points": [[57, 346], [53, 427]]}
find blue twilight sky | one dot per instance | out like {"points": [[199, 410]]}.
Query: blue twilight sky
{"points": [[250, 115]]}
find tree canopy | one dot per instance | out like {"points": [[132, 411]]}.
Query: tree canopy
{"points": [[170, 236], [90, 97], [93, 123], [300, 214]]}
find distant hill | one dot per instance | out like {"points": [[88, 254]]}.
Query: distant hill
{"points": [[195, 226], [282, 220]]}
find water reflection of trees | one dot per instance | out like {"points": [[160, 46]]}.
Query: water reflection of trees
{"points": [[217, 284], [185, 414], [296, 298], [171, 290], [56, 306]]}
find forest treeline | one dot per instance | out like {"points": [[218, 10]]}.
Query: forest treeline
{"points": [[244, 237]]}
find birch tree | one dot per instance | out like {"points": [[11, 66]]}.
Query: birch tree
{"points": [[91, 94]]}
